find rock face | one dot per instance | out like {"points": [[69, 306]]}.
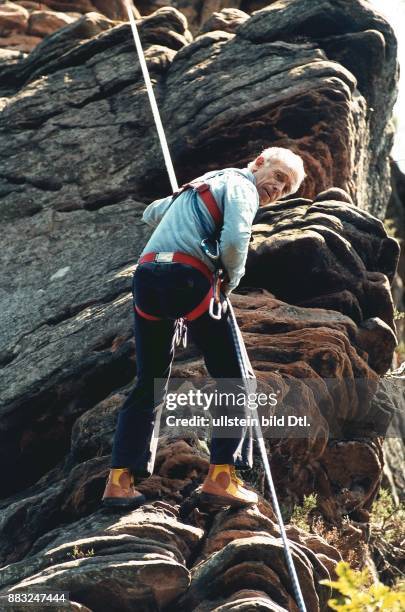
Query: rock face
{"points": [[315, 303], [199, 13], [23, 24], [395, 219], [138, 560], [227, 20], [345, 255], [287, 91]]}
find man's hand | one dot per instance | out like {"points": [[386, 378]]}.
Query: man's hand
{"points": [[225, 289]]}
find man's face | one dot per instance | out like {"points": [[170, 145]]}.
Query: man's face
{"points": [[273, 182]]}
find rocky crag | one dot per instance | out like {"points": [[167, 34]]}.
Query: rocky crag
{"points": [[201, 16], [315, 303], [24, 24]]}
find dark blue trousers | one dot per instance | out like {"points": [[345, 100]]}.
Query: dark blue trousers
{"points": [[170, 290]]}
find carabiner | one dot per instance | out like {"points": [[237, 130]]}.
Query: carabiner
{"points": [[205, 245], [211, 312]]}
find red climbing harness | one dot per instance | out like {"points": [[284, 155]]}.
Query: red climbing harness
{"points": [[203, 189], [177, 257]]}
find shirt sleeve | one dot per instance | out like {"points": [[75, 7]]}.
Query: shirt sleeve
{"points": [[241, 201], [153, 214]]}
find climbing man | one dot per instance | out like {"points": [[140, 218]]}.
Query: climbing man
{"points": [[175, 281]]}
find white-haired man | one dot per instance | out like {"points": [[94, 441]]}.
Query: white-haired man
{"points": [[173, 282]]}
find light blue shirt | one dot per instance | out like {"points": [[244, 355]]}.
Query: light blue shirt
{"points": [[178, 227]]}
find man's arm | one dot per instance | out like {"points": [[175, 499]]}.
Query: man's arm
{"points": [[241, 202], [152, 215]]}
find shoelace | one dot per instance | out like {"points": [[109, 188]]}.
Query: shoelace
{"points": [[234, 476]]}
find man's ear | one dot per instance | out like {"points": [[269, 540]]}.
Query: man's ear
{"points": [[259, 161]]}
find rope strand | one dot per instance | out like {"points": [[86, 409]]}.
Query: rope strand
{"points": [[249, 380], [152, 100]]}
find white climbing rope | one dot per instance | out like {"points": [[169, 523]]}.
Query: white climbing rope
{"points": [[152, 99], [243, 358], [249, 380]]}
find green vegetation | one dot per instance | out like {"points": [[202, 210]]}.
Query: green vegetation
{"points": [[337, 536], [398, 314], [300, 516], [387, 534], [80, 554], [390, 228], [387, 521], [358, 593], [400, 351]]}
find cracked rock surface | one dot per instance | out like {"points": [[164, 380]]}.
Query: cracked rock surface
{"points": [[25, 23], [79, 162]]}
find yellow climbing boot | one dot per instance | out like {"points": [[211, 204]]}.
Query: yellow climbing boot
{"points": [[120, 491], [222, 487]]}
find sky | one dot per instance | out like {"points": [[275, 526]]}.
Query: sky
{"points": [[394, 12]]}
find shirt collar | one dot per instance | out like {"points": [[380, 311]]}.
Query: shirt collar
{"points": [[244, 171], [249, 175]]}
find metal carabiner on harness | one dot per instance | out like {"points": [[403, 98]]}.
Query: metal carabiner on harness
{"points": [[207, 244], [216, 296], [211, 312]]}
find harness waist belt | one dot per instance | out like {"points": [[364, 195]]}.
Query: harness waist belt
{"points": [[176, 257]]}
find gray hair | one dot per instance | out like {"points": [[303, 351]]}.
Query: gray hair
{"points": [[292, 160]]}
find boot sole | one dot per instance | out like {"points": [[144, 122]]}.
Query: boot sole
{"points": [[212, 501], [123, 502]]}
